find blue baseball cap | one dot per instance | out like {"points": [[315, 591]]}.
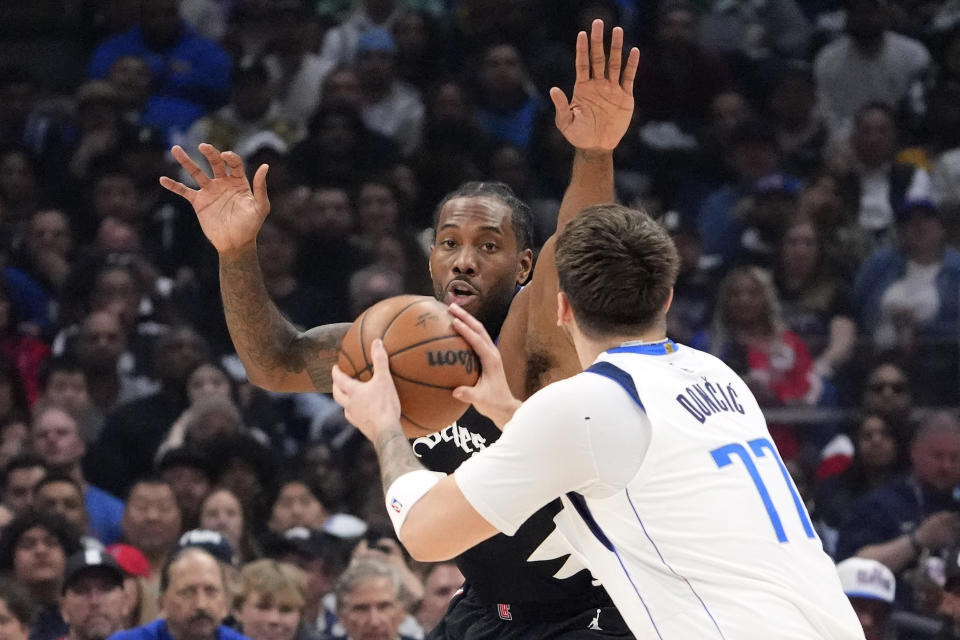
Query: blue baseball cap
{"points": [[377, 39]]}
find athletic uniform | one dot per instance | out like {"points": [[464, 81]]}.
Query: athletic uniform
{"points": [[522, 586], [674, 497]]}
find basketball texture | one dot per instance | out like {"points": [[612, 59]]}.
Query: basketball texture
{"points": [[428, 359]]}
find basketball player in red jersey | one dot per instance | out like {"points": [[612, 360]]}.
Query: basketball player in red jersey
{"points": [[521, 586]]}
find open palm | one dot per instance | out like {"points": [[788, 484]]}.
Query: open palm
{"points": [[597, 116], [229, 211]]}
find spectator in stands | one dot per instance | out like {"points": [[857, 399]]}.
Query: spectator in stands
{"points": [[752, 153], [885, 185], [278, 250], [34, 549], [508, 105], [745, 26], [193, 601], [416, 36], [63, 383], [880, 453], [222, 512], [678, 80], [439, 586], [869, 64], [389, 106], [47, 250], [26, 351], [340, 42], [296, 505], [296, 71], [13, 397], [813, 297], [16, 611], [20, 477], [189, 473], [56, 439], [59, 493], [252, 110], [270, 603], [18, 122], [871, 588], [141, 603], [801, 131], [908, 299], [318, 555], [385, 547], [897, 521], [93, 604], [101, 349], [368, 600], [133, 432], [151, 523], [185, 65]]}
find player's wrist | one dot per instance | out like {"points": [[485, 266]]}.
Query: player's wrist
{"points": [[595, 154], [915, 543], [238, 251]]}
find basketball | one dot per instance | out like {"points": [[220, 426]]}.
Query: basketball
{"points": [[428, 359]]}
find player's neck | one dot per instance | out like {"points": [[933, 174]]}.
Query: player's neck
{"points": [[589, 348]]}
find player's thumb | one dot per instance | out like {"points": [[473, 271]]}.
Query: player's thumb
{"points": [[560, 103], [464, 394], [381, 361], [260, 189]]}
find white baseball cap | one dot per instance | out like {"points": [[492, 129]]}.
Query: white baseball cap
{"points": [[865, 578]]}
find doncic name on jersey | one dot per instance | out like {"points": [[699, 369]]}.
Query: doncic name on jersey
{"points": [[703, 400], [468, 441]]}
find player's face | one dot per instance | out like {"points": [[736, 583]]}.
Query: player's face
{"points": [[475, 260]]}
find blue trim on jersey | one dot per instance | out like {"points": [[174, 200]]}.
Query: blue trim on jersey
{"points": [[667, 564], [580, 504], [662, 348], [618, 375]]}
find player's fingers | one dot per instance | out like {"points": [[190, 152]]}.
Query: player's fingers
{"points": [[235, 163], [598, 61], [464, 394], [630, 70], [461, 314], [582, 62], [185, 161], [561, 105], [381, 361], [616, 47], [178, 188], [212, 155], [260, 188]]}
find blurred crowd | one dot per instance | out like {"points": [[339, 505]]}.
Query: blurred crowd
{"points": [[804, 155]]}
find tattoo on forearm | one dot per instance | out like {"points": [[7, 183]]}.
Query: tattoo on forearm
{"points": [[264, 339], [396, 456]]}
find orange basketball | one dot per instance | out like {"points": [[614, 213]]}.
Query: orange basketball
{"points": [[428, 359]]}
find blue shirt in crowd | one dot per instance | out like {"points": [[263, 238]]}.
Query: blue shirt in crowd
{"points": [[105, 512], [157, 630]]}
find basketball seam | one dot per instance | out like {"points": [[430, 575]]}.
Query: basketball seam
{"points": [[350, 362], [404, 350], [415, 423], [425, 384], [383, 336], [363, 348]]}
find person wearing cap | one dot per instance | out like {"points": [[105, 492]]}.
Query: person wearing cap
{"points": [[871, 588], [389, 106], [211, 541], [193, 601], [340, 42], [141, 601], [908, 300], [93, 604]]}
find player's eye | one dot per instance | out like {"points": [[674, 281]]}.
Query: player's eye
{"points": [[448, 244], [489, 246]]}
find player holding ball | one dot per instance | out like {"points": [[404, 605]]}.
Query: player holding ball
{"points": [[524, 586]]}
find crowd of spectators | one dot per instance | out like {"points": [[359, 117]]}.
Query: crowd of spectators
{"points": [[804, 155]]}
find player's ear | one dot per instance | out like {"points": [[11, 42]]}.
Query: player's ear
{"points": [[666, 307], [564, 310], [524, 265]]}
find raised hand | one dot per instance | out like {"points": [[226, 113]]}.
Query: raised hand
{"points": [[600, 110], [229, 211]]}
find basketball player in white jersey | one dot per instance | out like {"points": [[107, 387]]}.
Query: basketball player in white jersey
{"points": [[677, 500]]}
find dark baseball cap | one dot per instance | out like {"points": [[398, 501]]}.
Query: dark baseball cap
{"points": [[91, 560], [210, 541], [303, 541]]}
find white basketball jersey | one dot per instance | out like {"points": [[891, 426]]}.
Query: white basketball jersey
{"points": [[710, 538]]}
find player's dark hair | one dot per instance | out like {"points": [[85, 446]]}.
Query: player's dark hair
{"points": [[520, 216], [617, 267]]}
